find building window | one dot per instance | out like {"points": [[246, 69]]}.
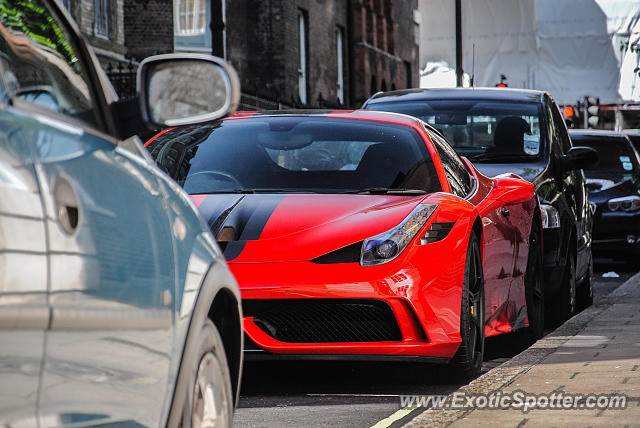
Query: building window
{"points": [[302, 52], [340, 65], [101, 27], [67, 4], [190, 17]]}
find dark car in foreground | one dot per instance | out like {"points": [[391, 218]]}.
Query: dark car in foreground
{"points": [[522, 132], [116, 304], [362, 235], [614, 186]]}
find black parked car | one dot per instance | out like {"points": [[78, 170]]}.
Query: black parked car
{"points": [[614, 186], [521, 132]]}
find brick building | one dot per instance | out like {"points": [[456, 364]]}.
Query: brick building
{"points": [[294, 50], [385, 37], [302, 53], [122, 31]]}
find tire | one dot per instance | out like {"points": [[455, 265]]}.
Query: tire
{"points": [[534, 288], [585, 292], [568, 301], [209, 401], [467, 361]]}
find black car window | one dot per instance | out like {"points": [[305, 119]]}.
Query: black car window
{"points": [[488, 130], [296, 153], [38, 61], [457, 175], [635, 140], [616, 156], [560, 129]]}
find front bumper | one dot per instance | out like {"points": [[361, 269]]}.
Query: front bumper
{"points": [[424, 296]]}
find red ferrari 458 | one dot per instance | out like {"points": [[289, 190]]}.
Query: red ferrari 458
{"points": [[362, 235]]}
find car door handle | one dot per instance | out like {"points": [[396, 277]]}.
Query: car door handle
{"points": [[505, 212], [67, 206]]}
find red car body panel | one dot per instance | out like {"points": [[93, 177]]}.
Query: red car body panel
{"points": [[273, 257]]}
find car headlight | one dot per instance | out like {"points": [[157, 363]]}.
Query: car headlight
{"points": [[388, 245], [550, 217], [625, 203]]}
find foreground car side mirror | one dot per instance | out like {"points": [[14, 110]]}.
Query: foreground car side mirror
{"points": [[182, 89], [579, 157]]}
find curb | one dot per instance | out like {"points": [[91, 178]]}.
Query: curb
{"points": [[505, 373]]}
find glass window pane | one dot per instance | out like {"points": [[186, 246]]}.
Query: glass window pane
{"points": [[296, 154]]}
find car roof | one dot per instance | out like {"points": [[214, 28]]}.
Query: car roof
{"points": [[370, 115], [497, 94]]}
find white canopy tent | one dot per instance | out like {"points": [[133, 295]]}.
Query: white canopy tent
{"points": [[570, 48]]}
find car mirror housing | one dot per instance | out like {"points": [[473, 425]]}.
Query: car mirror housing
{"points": [[183, 89], [511, 189], [579, 157]]}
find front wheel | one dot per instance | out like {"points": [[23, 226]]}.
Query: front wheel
{"points": [[209, 401], [534, 293], [467, 361]]}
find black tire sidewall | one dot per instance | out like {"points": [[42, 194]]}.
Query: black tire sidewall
{"points": [[536, 326], [464, 362], [569, 287]]}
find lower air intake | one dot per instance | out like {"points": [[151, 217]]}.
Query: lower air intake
{"points": [[324, 320]]}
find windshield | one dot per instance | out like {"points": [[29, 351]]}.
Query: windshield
{"points": [[616, 157], [481, 129], [296, 154]]}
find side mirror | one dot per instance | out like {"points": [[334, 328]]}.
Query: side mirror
{"points": [[578, 158], [511, 189], [182, 89]]}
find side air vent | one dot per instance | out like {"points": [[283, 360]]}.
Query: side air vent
{"points": [[437, 232]]}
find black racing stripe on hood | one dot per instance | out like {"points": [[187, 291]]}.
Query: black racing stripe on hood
{"points": [[248, 218], [214, 206]]}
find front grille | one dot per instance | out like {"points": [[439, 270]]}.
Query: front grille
{"points": [[324, 320]]}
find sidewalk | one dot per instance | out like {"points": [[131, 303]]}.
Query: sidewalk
{"points": [[596, 352]]}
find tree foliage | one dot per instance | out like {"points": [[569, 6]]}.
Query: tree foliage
{"points": [[34, 20]]}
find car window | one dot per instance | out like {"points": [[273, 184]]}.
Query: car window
{"points": [[454, 169], [560, 129], [38, 61], [480, 129], [306, 154], [616, 156]]}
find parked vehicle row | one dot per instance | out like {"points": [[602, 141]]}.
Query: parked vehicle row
{"points": [[349, 235]]}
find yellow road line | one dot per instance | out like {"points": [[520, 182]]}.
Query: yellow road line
{"points": [[386, 422]]}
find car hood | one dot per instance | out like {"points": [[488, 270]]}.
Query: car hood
{"points": [[260, 228], [528, 171]]}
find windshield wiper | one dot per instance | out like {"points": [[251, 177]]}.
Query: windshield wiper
{"points": [[503, 157], [387, 191]]}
